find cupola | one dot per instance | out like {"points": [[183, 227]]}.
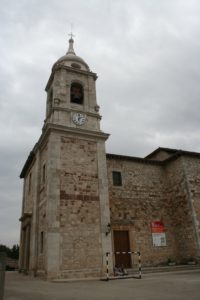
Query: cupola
{"points": [[70, 59]]}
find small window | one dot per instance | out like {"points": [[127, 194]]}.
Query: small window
{"points": [[117, 178], [76, 66], [77, 94], [41, 241], [44, 173]]}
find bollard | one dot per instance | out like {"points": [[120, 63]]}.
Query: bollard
{"points": [[120, 277], [107, 268], [2, 273], [139, 265]]}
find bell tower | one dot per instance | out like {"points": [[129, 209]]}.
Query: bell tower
{"points": [[71, 93], [65, 212], [78, 204]]}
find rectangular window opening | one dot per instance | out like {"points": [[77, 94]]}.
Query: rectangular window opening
{"points": [[117, 178]]}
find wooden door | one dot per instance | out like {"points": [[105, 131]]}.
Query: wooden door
{"points": [[122, 244]]}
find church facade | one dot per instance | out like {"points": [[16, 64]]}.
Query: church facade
{"points": [[80, 203]]}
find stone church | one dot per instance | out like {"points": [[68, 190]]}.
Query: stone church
{"points": [[80, 203]]}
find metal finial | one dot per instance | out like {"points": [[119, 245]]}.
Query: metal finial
{"points": [[71, 42], [71, 34]]}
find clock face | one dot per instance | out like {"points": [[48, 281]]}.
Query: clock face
{"points": [[78, 118]]}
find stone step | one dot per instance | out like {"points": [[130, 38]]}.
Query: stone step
{"points": [[146, 270]]}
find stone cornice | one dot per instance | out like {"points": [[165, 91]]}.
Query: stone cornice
{"points": [[75, 131], [48, 128], [28, 162], [26, 216], [72, 70], [75, 110]]}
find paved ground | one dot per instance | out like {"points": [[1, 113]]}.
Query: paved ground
{"points": [[179, 285]]}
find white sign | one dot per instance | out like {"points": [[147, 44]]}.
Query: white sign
{"points": [[159, 239]]}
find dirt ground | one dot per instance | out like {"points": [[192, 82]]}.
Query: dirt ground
{"points": [[177, 285]]}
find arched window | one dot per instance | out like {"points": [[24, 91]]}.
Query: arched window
{"points": [[77, 95]]}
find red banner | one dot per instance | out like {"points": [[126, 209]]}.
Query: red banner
{"points": [[157, 227]]}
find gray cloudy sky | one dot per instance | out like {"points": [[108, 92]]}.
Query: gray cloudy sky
{"points": [[146, 54]]}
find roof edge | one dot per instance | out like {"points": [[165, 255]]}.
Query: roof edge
{"points": [[134, 158], [168, 150], [175, 154]]}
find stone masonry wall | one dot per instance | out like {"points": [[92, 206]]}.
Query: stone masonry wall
{"points": [[178, 211], [192, 171], [42, 224], [29, 189], [137, 203], [79, 208], [152, 192], [30, 198]]}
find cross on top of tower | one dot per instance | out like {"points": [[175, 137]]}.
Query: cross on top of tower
{"points": [[71, 35]]}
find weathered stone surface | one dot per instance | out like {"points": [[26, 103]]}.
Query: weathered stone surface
{"points": [[149, 193]]}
